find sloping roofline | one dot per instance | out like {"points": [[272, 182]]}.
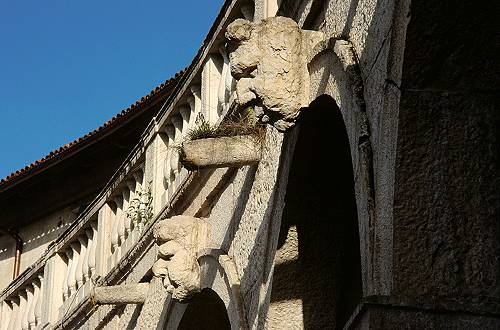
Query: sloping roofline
{"points": [[171, 85], [75, 146]]}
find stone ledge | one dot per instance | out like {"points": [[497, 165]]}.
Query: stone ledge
{"points": [[221, 152], [383, 312]]}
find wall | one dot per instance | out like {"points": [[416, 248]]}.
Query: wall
{"points": [[317, 277], [447, 197], [36, 238]]}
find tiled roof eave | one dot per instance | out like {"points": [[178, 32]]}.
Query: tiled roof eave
{"points": [[78, 144]]}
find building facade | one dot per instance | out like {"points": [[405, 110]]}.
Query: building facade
{"points": [[365, 197]]}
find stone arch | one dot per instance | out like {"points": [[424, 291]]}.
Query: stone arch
{"points": [[334, 71], [219, 277], [317, 276], [206, 310]]}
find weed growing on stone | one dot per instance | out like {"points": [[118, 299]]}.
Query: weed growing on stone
{"points": [[140, 209], [237, 124]]}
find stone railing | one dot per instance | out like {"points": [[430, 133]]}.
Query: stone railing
{"points": [[112, 224], [80, 262], [128, 216], [23, 309]]}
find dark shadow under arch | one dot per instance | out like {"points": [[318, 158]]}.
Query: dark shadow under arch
{"points": [[320, 205], [205, 311]]}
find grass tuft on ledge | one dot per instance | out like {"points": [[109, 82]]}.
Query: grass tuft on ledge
{"points": [[240, 124]]}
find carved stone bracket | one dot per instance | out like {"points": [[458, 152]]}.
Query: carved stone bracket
{"points": [[269, 60], [221, 152], [178, 239], [120, 294]]}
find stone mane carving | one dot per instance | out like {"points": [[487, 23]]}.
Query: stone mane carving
{"points": [[179, 239], [269, 61]]}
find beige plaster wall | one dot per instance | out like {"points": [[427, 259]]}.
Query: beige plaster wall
{"points": [[36, 238], [7, 250]]}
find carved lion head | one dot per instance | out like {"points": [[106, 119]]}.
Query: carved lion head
{"points": [[268, 60]]}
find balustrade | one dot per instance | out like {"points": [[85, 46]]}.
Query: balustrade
{"points": [[128, 216], [80, 257], [22, 310], [111, 228]]}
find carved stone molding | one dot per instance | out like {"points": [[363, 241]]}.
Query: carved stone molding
{"points": [[269, 60], [178, 239]]}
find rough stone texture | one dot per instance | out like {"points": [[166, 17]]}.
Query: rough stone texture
{"points": [[269, 61], [221, 152], [256, 237], [447, 196], [390, 317], [286, 312], [318, 260], [154, 311], [120, 294], [178, 239], [447, 199]]}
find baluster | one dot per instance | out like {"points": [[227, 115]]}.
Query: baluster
{"points": [[167, 169], [92, 252], [33, 303], [210, 79], [39, 301], [127, 199], [174, 157], [6, 314], [15, 304], [65, 287], [116, 232], [224, 90], [196, 107], [121, 225], [192, 109], [186, 119], [72, 272], [139, 194], [29, 302], [20, 311], [86, 266], [81, 258]]}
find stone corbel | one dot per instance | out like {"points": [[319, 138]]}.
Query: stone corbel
{"points": [[269, 60], [179, 239], [221, 152], [120, 294]]}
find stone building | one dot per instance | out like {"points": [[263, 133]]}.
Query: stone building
{"points": [[365, 197]]}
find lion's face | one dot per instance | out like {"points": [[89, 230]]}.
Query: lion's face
{"points": [[266, 60]]}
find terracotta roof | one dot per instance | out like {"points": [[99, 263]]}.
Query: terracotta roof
{"points": [[72, 146]]}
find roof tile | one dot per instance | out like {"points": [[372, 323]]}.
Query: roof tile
{"points": [[112, 122]]}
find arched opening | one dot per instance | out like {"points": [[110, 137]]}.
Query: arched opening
{"points": [[205, 311], [317, 278]]}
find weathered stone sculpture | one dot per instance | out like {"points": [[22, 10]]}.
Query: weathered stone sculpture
{"points": [[269, 60], [178, 239]]}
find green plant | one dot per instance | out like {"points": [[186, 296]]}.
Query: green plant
{"points": [[140, 209], [202, 130], [240, 123]]}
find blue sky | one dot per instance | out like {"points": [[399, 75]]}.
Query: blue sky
{"points": [[68, 66]]}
